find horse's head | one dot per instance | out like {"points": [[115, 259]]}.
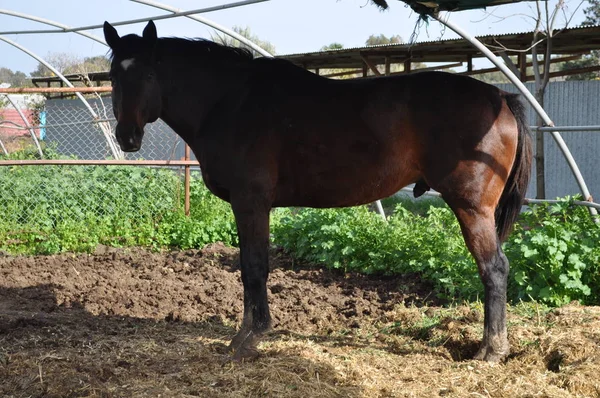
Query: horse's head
{"points": [[136, 95]]}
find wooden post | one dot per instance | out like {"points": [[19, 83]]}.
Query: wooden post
{"points": [[407, 66], [388, 66], [187, 182], [523, 66], [470, 64], [371, 65]]}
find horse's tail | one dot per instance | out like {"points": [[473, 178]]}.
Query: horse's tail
{"points": [[513, 195]]}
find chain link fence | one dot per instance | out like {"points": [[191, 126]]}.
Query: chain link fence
{"points": [[38, 202], [71, 128], [68, 126]]}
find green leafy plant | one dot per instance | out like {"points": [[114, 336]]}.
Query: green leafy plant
{"points": [[554, 251], [357, 239], [555, 255], [53, 209]]}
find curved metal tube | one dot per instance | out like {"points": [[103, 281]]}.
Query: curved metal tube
{"points": [[210, 23], [115, 151], [28, 125], [51, 23], [132, 21], [531, 99], [3, 148]]}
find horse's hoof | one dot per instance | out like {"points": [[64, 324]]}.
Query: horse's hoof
{"points": [[488, 354], [245, 354], [243, 346]]}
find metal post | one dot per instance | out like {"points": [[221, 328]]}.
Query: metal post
{"points": [[187, 182], [3, 148], [531, 99], [31, 130], [380, 210]]}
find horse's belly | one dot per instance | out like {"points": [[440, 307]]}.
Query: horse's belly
{"points": [[345, 185]]}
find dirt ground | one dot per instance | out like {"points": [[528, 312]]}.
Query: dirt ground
{"points": [[131, 323]]}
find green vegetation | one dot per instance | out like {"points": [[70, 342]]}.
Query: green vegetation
{"points": [[555, 255], [554, 251], [356, 239], [53, 209]]}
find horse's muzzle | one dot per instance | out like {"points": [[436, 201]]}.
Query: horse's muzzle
{"points": [[129, 137]]}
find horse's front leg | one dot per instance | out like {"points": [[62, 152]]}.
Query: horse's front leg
{"points": [[252, 219]]}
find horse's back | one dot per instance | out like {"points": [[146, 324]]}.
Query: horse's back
{"points": [[325, 143]]}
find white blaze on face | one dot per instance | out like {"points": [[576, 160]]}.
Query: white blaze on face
{"points": [[126, 63]]}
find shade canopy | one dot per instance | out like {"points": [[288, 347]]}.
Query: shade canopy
{"points": [[431, 7]]}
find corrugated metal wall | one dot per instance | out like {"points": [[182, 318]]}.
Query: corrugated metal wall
{"points": [[569, 103]]}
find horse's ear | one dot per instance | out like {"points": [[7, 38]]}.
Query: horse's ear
{"points": [[150, 32], [110, 35]]}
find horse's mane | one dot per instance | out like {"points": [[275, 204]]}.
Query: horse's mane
{"points": [[198, 48], [201, 50], [190, 49]]}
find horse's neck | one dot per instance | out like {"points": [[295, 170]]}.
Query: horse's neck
{"points": [[189, 95]]}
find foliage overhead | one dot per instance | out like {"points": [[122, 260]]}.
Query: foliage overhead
{"points": [[332, 46], [67, 64], [246, 32], [380, 39], [15, 79], [592, 18]]}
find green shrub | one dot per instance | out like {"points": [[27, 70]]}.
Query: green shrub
{"points": [[554, 251], [555, 255], [50, 209], [356, 239], [211, 220]]}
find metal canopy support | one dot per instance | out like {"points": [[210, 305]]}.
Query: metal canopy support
{"points": [[106, 132], [175, 12], [28, 125], [210, 23], [139, 20], [531, 99], [51, 23]]}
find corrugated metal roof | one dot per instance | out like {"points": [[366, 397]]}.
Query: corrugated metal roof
{"points": [[569, 41]]}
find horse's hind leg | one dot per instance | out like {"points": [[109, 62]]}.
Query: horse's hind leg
{"points": [[479, 230], [252, 219]]}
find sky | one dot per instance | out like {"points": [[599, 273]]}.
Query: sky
{"points": [[293, 26]]}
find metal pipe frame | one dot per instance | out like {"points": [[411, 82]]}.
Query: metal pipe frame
{"points": [[132, 21], [567, 128], [531, 99], [115, 151], [110, 162], [527, 200], [27, 125], [210, 23], [51, 23], [175, 12]]}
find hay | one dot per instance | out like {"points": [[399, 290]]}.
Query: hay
{"points": [[62, 348]]}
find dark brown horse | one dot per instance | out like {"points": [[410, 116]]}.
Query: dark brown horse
{"points": [[268, 133]]}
